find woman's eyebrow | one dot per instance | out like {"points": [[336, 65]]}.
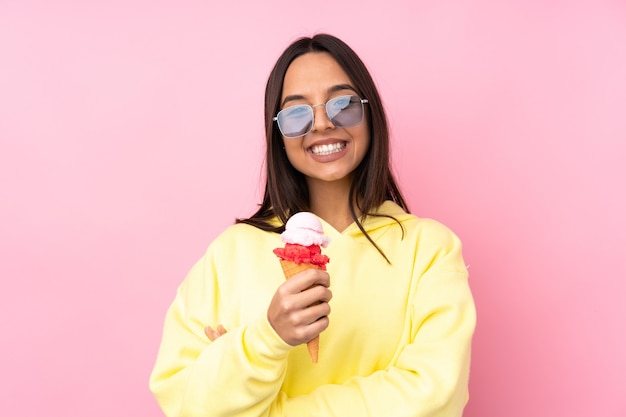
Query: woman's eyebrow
{"points": [[293, 97], [341, 87], [333, 89]]}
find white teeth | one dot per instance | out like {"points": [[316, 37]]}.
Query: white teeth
{"points": [[328, 149]]}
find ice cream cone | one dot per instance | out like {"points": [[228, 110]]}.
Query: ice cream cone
{"points": [[303, 237], [289, 270]]}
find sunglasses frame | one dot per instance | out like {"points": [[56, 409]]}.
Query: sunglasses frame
{"points": [[312, 107]]}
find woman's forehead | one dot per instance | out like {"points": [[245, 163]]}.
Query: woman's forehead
{"points": [[314, 73]]}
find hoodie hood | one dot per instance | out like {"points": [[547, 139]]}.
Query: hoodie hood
{"points": [[374, 225]]}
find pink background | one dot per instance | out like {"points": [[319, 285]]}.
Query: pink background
{"points": [[131, 134]]}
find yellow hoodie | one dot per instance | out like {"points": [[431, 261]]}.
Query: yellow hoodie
{"points": [[398, 343]]}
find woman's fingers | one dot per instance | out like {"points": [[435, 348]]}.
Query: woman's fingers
{"points": [[311, 314], [299, 309], [214, 334], [210, 333], [306, 279]]}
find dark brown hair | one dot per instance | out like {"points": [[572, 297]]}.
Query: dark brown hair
{"points": [[286, 190]]}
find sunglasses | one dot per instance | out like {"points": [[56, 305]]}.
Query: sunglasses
{"points": [[343, 111]]}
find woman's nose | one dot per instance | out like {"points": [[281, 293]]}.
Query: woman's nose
{"points": [[321, 122]]}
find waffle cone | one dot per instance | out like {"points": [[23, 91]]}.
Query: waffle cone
{"points": [[290, 269]]}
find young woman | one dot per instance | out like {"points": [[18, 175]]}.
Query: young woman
{"points": [[395, 330]]}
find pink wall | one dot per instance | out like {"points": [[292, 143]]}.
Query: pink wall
{"points": [[131, 134]]}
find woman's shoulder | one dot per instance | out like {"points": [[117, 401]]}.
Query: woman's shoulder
{"points": [[414, 224], [431, 239], [429, 225], [420, 230]]}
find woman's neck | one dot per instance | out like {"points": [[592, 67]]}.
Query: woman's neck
{"points": [[330, 201]]}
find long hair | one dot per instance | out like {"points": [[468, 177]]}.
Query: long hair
{"points": [[286, 191]]}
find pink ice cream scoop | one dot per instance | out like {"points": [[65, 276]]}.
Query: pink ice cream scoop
{"points": [[304, 229]]}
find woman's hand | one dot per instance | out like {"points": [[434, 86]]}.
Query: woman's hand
{"points": [[214, 334], [299, 309]]}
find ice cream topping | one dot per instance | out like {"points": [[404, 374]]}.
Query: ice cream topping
{"points": [[304, 229]]}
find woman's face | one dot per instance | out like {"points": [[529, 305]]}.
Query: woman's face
{"points": [[327, 152]]}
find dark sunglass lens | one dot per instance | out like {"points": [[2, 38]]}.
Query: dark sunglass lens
{"points": [[345, 111], [295, 121]]}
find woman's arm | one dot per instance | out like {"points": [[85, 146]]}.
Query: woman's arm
{"points": [[238, 374], [213, 372], [429, 376]]}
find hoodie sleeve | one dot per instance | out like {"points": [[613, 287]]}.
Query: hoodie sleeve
{"points": [[239, 374], [430, 375]]}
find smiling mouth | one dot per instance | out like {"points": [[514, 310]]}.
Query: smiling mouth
{"points": [[328, 149]]}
